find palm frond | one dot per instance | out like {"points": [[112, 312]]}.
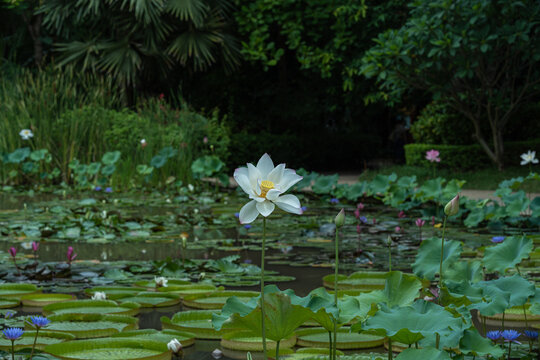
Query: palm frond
{"points": [[188, 10]]}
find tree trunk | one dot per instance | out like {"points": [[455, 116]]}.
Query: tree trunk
{"points": [[498, 146], [34, 28]]}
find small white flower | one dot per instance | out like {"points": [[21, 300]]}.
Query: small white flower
{"points": [[161, 281], [265, 185], [174, 345], [26, 134], [99, 295], [143, 141], [26, 245], [104, 214], [529, 157], [190, 187], [202, 275], [216, 354]]}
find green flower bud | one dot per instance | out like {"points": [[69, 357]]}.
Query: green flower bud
{"points": [[340, 218], [452, 207]]}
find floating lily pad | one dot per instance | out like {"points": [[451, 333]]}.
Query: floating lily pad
{"points": [[17, 290], [45, 337], [114, 292], [185, 338], [152, 299], [92, 307], [318, 337], [359, 280], [9, 303], [192, 289], [41, 300], [513, 317], [217, 299], [111, 349], [243, 340], [198, 322], [86, 326], [151, 284]]}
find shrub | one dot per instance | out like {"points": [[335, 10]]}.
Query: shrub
{"points": [[437, 124], [465, 157]]}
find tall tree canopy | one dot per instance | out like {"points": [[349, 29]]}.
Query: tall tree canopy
{"points": [[481, 57]]}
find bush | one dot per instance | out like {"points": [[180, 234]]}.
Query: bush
{"points": [[465, 157], [437, 124]]}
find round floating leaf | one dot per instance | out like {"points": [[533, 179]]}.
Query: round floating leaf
{"points": [[217, 299], [427, 353], [114, 292], [41, 300], [318, 337], [111, 349], [85, 326], [6, 303], [365, 280], [198, 322], [185, 338], [477, 345], [8, 290], [45, 337], [246, 341], [151, 284], [92, 307], [186, 290], [110, 158], [152, 299], [507, 254], [428, 259]]}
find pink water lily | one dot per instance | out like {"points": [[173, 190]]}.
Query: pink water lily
{"points": [[433, 156], [265, 185], [420, 222]]}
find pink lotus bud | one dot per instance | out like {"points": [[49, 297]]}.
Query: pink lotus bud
{"points": [[340, 218], [70, 255], [452, 208], [401, 214], [398, 229], [419, 222], [433, 220], [35, 246], [357, 213], [360, 206], [12, 252]]}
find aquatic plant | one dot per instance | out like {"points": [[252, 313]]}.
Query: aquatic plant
{"points": [[70, 255], [451, 209], [339, 220], [433, 156], [26, 134], [38, 322], [265, 185], [175, 346], [13, 253], [13, 334]]}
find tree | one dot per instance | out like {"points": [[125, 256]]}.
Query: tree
{"points": [[135, 39], [481, 57]]}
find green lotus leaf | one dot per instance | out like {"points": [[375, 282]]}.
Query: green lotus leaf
{"points": [[427, 353], [282, 317], [366, 280], [108, 170], [430, 189], [38, 155], [198, 322], [517, 287], [185, 338], [507, 254], [477, 345], [324, 184], [111, 349], [92, 307], [464, 271], [18, 155], [168, 152], [158, 161], [461, 293], [84, 326], [380, 184], [152, 299], [411, 324], [400, 289], [93, 168], [428, 259], [475, 217], [319, 337], [45, 337], [114, 292], [41, 300], [111, 157], [516, 203], [217, 299], [8, 290]]}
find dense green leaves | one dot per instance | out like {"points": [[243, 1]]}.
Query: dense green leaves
{"points": [[428, 259], [507, 254]]}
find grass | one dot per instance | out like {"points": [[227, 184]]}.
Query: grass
{"points": [[481, 179]]}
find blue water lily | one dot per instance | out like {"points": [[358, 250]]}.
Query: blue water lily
{"points": [[13, 333], [39, 321]]}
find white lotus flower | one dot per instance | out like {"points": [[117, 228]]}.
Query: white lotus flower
{"points": [[529, 157], [161, 281], [265, 185], [216, 354], [26, 134], [99, 295], [174, 345]]}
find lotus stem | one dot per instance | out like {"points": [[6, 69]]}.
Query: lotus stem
{"points": [[524, 309], [442, 256], [389, 243], [503, 320], [336, 270], [277, 350], [12, 349], [330, 357], [509, 349], [390, 353], [35, 341], [263, 329]]}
